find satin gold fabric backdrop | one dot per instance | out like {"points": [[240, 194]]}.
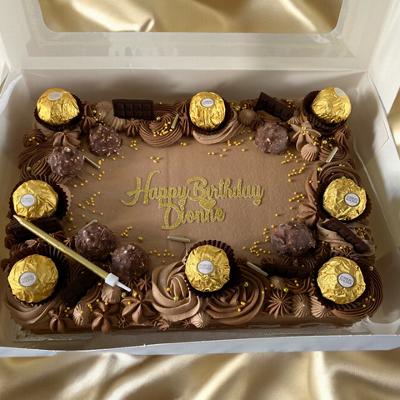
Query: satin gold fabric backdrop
{"points": [[276, 376], [300, 376], [274, 16]]}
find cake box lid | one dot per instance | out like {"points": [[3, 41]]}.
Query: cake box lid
{"points": [[362, 31]]}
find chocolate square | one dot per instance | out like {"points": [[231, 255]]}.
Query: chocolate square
{"points": [[133, 109]]}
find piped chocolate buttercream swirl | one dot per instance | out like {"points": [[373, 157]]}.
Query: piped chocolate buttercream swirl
{"points": [[163, 132], [172, 297], [279, 304], [369, 301], [239, 304]]}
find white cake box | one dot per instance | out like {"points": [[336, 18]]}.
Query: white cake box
{"points": [[359, 56]]}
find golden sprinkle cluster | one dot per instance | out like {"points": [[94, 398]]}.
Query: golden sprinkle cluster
{"points": [[133, 144], [288, 157], [155, 159], [125, 232], [164, 130], [296, 171], [89, 204], [297, 197]]}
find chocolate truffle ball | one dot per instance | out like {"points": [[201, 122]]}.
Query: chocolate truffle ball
{"points": [[272, 137], [95, 241], [292, 239], [247, 117], [65, 161], [129, 261], [104, 141]]}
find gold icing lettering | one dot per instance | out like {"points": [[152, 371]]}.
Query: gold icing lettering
{"points": [[197, 190]]}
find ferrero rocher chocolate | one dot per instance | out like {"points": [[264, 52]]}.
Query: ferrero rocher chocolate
{"points": [[207, 268], [341, 280], [33, 278], [332, 105], [57, 106], [344, 200], [35, 199], [207, 110]]}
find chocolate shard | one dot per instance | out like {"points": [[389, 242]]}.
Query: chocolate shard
{"points": [[133, 109], [347, 234], [274, 107]]}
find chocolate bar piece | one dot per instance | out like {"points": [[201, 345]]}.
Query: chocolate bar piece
{"points": [[274, 107], [347, 234], [133, 109]]}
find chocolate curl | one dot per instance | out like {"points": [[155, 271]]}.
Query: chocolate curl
{"points": [[347, 234]]}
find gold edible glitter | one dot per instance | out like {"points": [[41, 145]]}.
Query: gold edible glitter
{"points": [[207, 110], [344, 199], [207, 268], [332, 105], [57, 106], [33, 278], [341, 280], [35, 199]]}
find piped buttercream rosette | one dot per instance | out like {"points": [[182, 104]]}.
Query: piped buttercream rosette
{"points": [[172, 297], [162, 132], [240, 303]]}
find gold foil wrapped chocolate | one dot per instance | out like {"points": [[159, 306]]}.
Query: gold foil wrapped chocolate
{"points": [[344, 199], [341, 280], [35, 199], [33, 278], [56, 106], [207, 110], [332, 105], [207, 268]]}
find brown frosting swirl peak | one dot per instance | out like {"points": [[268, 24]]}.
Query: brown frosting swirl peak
{"points": [[239, 304], [162, 132], [172, 297]]}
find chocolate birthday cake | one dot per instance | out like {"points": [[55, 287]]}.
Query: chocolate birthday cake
{"points": [[201, 213]]}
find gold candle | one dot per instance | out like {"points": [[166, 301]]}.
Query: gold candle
{"points": [[61, 247]]}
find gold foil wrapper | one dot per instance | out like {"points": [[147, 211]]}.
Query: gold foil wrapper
{"points": [[332, 105], [344, 199], [35, 199], [207, 268], [33, 278], [56, 106], [207, 110], [341, 280]]}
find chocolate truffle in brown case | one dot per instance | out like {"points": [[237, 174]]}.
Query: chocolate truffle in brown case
{"points": [[95, 241], [272, 138], [292, 239], [104, 141], [129, 261], [65, 161]]}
